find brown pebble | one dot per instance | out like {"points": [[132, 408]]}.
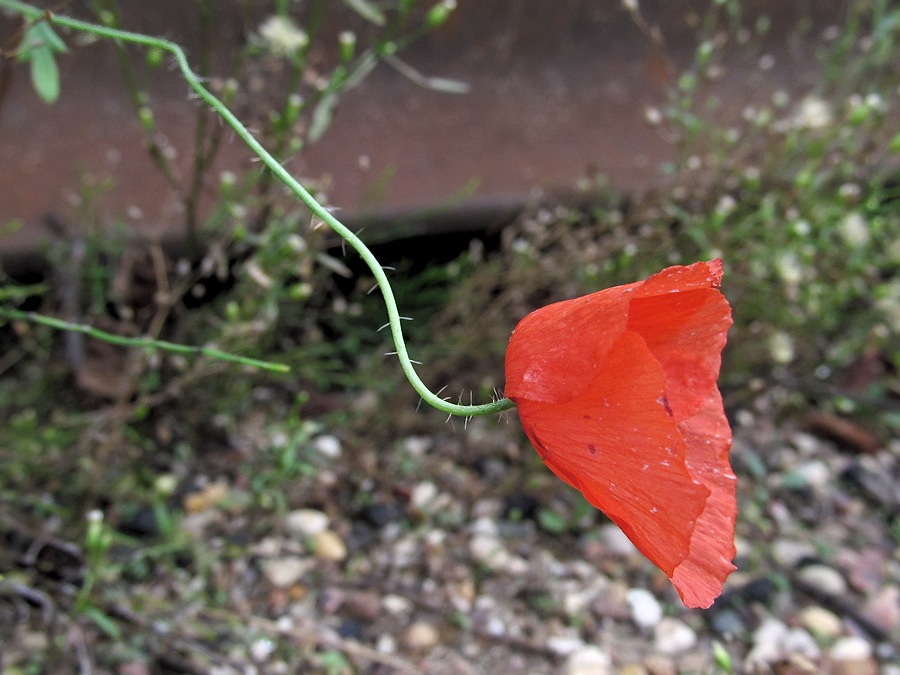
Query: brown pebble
{"points": [[329, 546], [855, 667], [363, 605], [883, 609], [421, 636]]}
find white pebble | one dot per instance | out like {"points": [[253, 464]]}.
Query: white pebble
{"points": [[815, 473], [799, 642], [788, 552], [617, 541], [767, 645], [824, 578], [396, 604], [423, 496], [672, 636], [285, 572], [489, 551], [386, 644], [329, 546], [328, 445], [646, 612], [421, 636], [306, 522], [261, 649], [821, 622], [564, 645], [851, 648], [589, 660]]}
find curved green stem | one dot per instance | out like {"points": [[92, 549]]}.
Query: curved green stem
{"points": [[293, 185], [144, 342]]}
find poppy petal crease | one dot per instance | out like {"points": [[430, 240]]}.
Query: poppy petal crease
{"points": [[617, 391]]}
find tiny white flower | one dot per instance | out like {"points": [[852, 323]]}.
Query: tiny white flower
{"points": [[850, 191], [888, 303], [653, 115], [875, 102], [788, 268], [802, 227], [855, 229], [813, 113], [781, 347], [282, 36], [726, 205]]}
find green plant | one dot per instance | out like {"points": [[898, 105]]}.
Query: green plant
{"points": [[797, 194], [278, 170]]}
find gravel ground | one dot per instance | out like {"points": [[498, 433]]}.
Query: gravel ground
{"points": [[454, 551]]}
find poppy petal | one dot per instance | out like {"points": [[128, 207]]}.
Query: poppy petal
{"points": [[617, 392], [699, 578], [557, 351], [620, 447]]}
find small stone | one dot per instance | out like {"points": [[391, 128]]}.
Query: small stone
{"points": [[379, 514], [865, 569], [495, 626], [632, 669], [127, 668], [819, 621], [787, 552], [386, 644], [658, 664], [824, 578], [350, 629], [815, 474], [853, 656], [727, 622], [589, 660], [328, 445], [566, 644], [423, 496], [646, 612], [285, 572], [306, 522], [396, 605], [851, 648], [861, 667], [767, 645], [363, 605], [617, 541], [576, 599], [672, 636], [421, 636], [489, 551], [329, 546], [261, 649], [883, 609], [418, 445], [800, 643], [206, 498]]}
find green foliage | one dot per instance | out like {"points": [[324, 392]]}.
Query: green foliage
{"points": [[800, 200], [798, 196], [260, 270], [39, 48]]}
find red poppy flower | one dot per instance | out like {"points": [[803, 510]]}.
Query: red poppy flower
{"points": [[617, 392]]}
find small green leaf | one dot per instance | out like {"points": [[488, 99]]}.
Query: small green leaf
{"points": [[42, 34], [44, 74], [442, 84], [551, 521], [104, 622], [322, 116], [722, 657], [367, 10]]}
